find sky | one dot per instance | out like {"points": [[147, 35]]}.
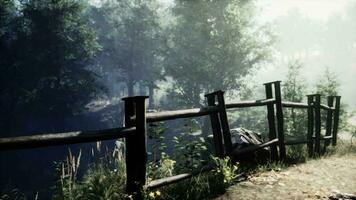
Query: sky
{"points": [[315, 9], [318, 10]]}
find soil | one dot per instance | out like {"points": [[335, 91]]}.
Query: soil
{"points": [[315, 179]]}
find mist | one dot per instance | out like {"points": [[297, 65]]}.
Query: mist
{"points": [[319, 34], [65, 66]]}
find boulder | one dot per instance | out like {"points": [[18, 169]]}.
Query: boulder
{"points": [[242, 138]]}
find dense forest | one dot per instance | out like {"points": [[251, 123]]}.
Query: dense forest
{"points": [[66, 64]]}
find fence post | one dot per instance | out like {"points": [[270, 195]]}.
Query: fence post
{"points": [[224, 122], [336, 119], [136, 152], [279, 115], [329, 121], [271, 121], [216, 127], [317, 124], [310, 134]]}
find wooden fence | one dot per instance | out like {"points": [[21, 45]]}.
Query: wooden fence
{"points": [[136, 118]]}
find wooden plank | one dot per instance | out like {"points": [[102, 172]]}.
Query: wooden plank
{"points": [[296, 141], [216, 127], [329, 121], [326, 138], [272, 133], [327, 107], [304, 141], [317, 124], [280, 123], [310, 141], [336, 119], [224, 122], [136, 146], [54, 139], [178, 114], [177, 178], [246, 104], [237, 152], [288, 104]]}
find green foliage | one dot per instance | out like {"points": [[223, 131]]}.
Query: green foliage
{"points": [[165, 167], [45, 48], [294, 90], [329, 85], [131, 37], [225, 168], [294, 84], [202, 186], [211, 46], [103, 180], [189, 151], [155, 136], [106, 178]]}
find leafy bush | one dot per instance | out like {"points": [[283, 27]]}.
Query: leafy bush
{"points": [[106, 178]]}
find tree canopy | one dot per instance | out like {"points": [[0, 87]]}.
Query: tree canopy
{"points": [[45, 48], [212, 45]]}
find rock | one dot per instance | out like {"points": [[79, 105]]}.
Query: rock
{"points": [[343, 196], [242, 138]]}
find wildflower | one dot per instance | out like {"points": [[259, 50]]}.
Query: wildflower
{"points": [[151, 194], [158, 193]]}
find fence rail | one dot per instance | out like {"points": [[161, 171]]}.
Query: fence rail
{"points": [[54, 139], [136, 118], [246, 104], [177, 114]]}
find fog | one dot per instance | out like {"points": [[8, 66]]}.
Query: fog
{"points": [[320, 34], [66, 64]]}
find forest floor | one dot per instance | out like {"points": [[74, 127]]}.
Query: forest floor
{"points": [[314, 179]]}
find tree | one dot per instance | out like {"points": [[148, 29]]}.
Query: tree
{"points": [[329, 85], [43, 62], [211, 46], [294, 90], [131, 42], [45, 47]]}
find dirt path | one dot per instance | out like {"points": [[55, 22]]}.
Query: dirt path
{"points": [[316, 179]]}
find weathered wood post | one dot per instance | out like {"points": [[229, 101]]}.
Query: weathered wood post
{"points": [[279, 115], [224, 122], [310, 134], [317, 124], [272, 134], [136, 152], [329, 121], [216, 127], [336, 119]]}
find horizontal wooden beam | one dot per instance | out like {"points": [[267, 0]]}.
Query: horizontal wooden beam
{"points": [[329, 137], [174, 179], [237, 152], [253, 103], [178, 114], [325, 107], [296, 141], [54, 139], [288, 104], [304, 141]]}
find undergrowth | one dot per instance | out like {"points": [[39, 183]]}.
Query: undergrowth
{"points": [[105, 179]]}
